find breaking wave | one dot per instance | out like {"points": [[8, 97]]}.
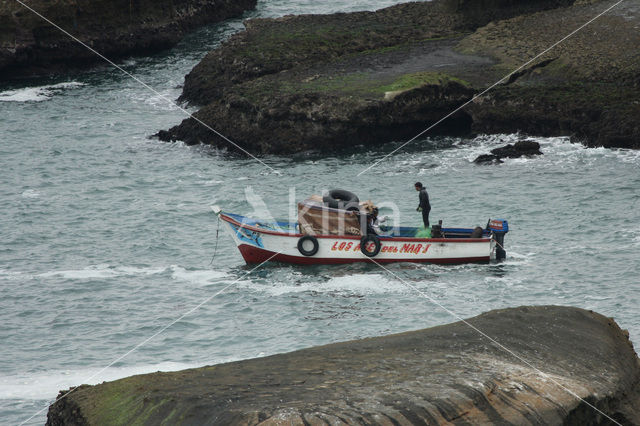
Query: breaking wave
{"points": [[36, 94], [45, 385]]}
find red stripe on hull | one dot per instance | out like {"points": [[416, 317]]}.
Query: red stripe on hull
{"points": [[253, 254]]}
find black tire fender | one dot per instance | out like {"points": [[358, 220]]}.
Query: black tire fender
{"points": [[370, 238], [341, 199], [304, 251]]}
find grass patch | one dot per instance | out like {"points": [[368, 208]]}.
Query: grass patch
{"points": [[359, 84], [412, 81]]}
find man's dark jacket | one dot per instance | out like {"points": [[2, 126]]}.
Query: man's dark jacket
{"points": [[424, 200]]}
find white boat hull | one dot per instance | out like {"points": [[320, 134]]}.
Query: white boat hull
{"points": [[257, 244]]}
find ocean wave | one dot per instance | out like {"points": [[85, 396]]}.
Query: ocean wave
{"points": [[36, 94], [45, 385], [560, 150], [557, 150]]}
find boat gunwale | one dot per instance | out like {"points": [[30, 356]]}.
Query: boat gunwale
{"points": [[231, 220]]}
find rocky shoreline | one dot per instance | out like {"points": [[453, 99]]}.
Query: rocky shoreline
{"points": [[318, 82], [446, 374], [31, 46]]}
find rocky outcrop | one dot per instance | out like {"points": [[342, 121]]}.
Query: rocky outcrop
{"points": [[587, 87], [575, 360], [524, 148], [29, 45], [287, 123], [328, 81]]}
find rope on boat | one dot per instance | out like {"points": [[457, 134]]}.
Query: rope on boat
{"points": [[215, 250], [498, 244]]}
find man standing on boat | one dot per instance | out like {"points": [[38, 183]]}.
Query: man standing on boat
{"points": [[424, 205]]}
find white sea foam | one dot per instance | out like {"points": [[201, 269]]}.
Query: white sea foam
{"points": [[160, 101], [561, 149], [81, 274], [36, 94], [200, 277], [30, 193], [482, 144], [518, 259], [10, 275], [101, 271], [556, 150], [131, 270], [45, 385], [346, 284]]}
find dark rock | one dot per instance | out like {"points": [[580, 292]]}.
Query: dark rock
{"points": [[528, 147], [568, 361], [586, 87], [299, 122], [329, 81], [29, 45], [517, 150], [270, 46], [488, 159]]}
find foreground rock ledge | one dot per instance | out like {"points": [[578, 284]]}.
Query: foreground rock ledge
{"points": [[443, 374], [319, 82], [115, 28]]}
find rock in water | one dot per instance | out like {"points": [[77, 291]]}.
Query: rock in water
{"points": [[488, 159], [449, 373], [115, 28], [517, 150], [319, 82]]}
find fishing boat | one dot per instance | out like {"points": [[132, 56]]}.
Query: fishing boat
{"points": [[290, 241]]}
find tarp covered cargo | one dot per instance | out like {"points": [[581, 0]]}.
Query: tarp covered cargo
{"points": [[314, 218]]}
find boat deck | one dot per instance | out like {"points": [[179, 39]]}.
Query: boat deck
{"points": [[293, 229]]}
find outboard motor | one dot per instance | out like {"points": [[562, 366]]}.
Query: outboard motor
{"points": [[499, 227], [436, 230]]}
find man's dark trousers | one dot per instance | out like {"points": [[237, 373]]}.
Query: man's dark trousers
{"points": [[425, 217]]}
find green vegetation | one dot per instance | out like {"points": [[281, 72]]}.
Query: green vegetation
{"points": [[412, 81], [120, 394], [358, 84]]}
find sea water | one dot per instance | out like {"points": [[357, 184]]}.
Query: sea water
{"points": [[108, 237]]}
